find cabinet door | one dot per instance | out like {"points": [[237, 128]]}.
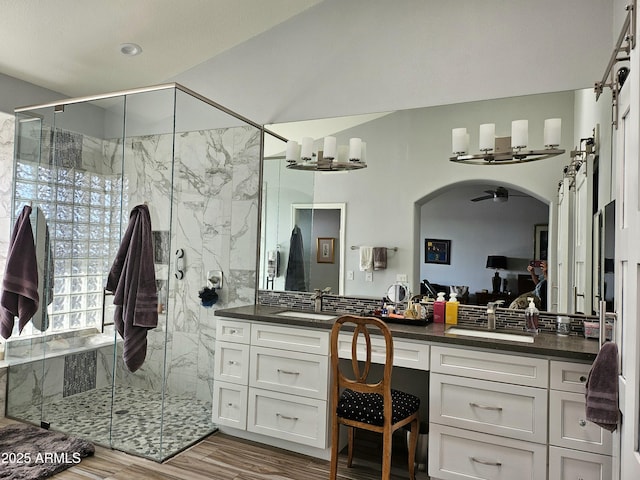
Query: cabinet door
{"points": [[287, 417], [230, 405], [290, 372], [567, 464], [231, 362], [569, 376], [307, 340], [232, 330], [499, 367], [490, 407], [457, 454], [568, 426], [405, 353]]}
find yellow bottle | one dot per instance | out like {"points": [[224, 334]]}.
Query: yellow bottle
{"points": [[451, 313]]}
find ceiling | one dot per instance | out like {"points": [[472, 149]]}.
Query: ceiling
{"points": [[73, 47], [276, 61]]}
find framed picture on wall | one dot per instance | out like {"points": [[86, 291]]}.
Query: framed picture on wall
{"points": [[540, 241], [437, 251], [326, 250]]}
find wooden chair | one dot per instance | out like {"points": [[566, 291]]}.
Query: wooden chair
{"points": [[370, 406]]}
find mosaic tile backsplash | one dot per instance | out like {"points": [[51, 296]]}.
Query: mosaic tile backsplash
{"points": [[468, 315]]}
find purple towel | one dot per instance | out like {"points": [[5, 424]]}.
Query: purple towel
{"points": [[132, 279], [602, 388], [20, 283], [379, 258]]}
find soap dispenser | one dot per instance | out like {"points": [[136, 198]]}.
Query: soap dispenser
{"points": [[439, 308], [531, 317], [451, 315]]}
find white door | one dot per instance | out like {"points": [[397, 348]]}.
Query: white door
{"points": [[627, 270], [582, 218], [565, 245]]}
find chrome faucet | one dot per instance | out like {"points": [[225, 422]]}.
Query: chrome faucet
{"points": [[491, 314], [317, 298]]}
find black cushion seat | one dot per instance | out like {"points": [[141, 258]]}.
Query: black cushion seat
{"points": [[368, 407]]}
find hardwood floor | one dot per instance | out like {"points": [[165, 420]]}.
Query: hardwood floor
{"points": [[222, 457]]}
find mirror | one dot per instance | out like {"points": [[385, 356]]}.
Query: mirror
{"points": [[398, 293], [407, 157]]}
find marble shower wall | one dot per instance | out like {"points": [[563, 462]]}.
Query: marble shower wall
{"points": [[214, 219], [7, 130]]}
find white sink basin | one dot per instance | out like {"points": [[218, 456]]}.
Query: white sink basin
{"points": [[310, 315], [512, 337]]}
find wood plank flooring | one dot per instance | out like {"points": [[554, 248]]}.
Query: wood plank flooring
{"points": [[221, 457]]}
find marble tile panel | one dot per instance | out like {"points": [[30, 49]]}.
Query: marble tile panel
{"points": [[3, 391]]}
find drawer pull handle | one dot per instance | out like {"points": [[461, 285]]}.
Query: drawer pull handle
{"points": [[583, 379], [229, 404], [582, 422], [286, 417], [233, 362], [232, 331], [486, 462], [485, 407], [288, 372]]}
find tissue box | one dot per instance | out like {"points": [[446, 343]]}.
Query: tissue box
{"points": [[592, 330]]}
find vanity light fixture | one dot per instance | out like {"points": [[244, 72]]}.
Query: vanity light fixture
{"points": [[332, 158], [506, 150]]}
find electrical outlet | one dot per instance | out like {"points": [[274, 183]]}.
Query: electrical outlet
{"points": [[368, 277], [401, 277], [349, 274]]}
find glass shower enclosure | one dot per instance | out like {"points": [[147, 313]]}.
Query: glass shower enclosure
{"points": [[82, 165]]}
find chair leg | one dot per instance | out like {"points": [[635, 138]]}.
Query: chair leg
{"points": [[413, 442], [387, 447], [351, 435], [335, 440]]}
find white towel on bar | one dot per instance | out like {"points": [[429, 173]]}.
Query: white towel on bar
{"points": [[366, 259]]}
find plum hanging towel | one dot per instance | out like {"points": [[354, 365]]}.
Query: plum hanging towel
{"points": [[379, 258], [132, 279], [602, 388], [19, 296]]}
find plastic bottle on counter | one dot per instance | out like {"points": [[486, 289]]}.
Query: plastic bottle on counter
{"points": [[531, 317], [451, 316], [439, 307]]}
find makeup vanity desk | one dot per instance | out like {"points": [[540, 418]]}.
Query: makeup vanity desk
{"points": [[487, 401]]}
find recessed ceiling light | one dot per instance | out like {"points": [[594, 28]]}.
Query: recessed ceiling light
{"points": [[130, 49]]}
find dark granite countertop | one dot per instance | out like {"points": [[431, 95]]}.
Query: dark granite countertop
{"points": [[547, 344]]}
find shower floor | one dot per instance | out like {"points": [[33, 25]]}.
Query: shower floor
{"points": [[140, 425]]}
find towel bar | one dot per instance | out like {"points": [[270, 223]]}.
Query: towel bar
{"points": [[395, 249]]}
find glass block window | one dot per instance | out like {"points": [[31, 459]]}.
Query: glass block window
{"points": [[82, 210]]}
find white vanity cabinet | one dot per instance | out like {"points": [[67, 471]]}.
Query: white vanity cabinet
{"points": [[577, 447], [487, 414], [272, 380]]}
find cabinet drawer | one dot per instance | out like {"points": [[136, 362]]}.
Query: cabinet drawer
{"points": [[297, 419], [232, 331], [566, 464], [405, 353], [568, 426], [231, 362], [291, 339], [490, 407], [289, 372], [569, 376], [462, 454], [532, 372], [230, 404]]}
